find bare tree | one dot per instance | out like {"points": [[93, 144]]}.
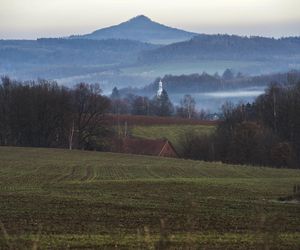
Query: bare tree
{"points": [[188, 106], [89, 109]]}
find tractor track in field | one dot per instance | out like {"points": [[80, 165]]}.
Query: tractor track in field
{"points": [[90, 174], [69, 175]]}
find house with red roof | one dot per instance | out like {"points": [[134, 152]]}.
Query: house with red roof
{"points": [[139, 146]]}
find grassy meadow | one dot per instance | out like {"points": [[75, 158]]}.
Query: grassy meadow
{"points": [[173, 133], [60, 199]]}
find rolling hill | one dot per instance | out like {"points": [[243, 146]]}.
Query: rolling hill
{"points": [[54, 58], [129, 54], [61, 199], [140, 28], [226, 47]]}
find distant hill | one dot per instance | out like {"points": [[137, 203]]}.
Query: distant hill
{"points": [[75, 51], [140, 28], [226, 47], [52, 58], [135, 52]]}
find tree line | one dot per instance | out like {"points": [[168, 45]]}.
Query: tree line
{"points": [[266, 132], [228, 80], [156, 106], [43, 114], [224, 47]]}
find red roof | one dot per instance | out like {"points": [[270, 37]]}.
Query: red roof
{"points": [[158, 147]]}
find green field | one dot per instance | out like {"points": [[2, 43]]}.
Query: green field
{"points": [[173, 133], [60, 199]]}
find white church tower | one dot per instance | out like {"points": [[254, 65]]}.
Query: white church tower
{"points": [[160, 88]]}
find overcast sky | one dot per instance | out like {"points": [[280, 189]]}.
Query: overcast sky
{"points": [[54, 18]]}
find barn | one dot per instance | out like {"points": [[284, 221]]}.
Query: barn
{"points": [[157, 147]]}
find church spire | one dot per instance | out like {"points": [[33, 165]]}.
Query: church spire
{"points": [[160, 88]]}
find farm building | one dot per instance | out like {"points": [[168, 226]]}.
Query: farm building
{"points": [[159, 147]]}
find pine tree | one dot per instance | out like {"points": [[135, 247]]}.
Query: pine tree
{"points": [[162, 106], [115, 94]]}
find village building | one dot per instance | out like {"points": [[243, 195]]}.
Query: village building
{"points": [[160, 89], [139, 146]]}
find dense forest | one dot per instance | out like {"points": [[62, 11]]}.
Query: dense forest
{"points": [[44, 114], [266, 132]]}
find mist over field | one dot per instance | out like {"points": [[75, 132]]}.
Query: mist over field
{"points": [[213, 101]]}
